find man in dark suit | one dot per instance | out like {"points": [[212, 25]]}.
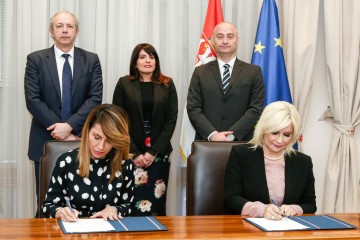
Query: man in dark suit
{"points": [[62, 85], [229, 110]]}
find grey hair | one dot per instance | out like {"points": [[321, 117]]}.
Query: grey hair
{"points": [[51, 24]]}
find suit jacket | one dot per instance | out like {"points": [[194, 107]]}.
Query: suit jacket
{"points": [[238, 110], [245, 180], [127, 95], [43, 94]]}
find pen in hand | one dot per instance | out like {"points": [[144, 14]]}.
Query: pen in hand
{"points": [[274, 202], [69, 206]]}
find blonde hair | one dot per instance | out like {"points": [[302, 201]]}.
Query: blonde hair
{"points": [[114, 123], [276, 116]]}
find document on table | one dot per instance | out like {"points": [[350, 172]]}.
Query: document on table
{"points": [[316, 222], [284, 224], [88, 225], [127, 224]]}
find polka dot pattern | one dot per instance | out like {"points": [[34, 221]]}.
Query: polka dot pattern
{"points": [[89, 194]]}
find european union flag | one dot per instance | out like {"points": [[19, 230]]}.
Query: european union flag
{"points": [[268, 54]]}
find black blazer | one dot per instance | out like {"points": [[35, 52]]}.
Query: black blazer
{"points": [[238, 110], [127, 94], [245, 180], [43, 95]]}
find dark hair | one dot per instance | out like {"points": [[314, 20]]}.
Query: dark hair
{"points": [[157, 76]]}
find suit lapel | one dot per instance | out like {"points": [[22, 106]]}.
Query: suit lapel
{"points": [[235, 74], [52, 66], [137, 94], [259, 159], [214, 68], [157, 94], [77, 65]]}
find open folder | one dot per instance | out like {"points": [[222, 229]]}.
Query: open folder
{"points": [[127, 224], [300, 223]]}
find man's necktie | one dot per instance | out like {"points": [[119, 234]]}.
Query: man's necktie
{"points": [[226, 77], [66, 89]]}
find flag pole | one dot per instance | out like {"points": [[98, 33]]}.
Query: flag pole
{"points": [[205, 54]]}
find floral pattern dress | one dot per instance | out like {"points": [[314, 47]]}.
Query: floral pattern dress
{"points": [[150, 187], [90, 194]]}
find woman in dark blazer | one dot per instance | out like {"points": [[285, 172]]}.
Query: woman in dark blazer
{"points": [[267, 177], [150, 99]]}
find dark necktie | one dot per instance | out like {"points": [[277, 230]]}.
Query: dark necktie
{"points": [[226, 77], [66, 89]]}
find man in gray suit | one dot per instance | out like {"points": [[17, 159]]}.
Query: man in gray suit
{"points": [[226, 96], [62, 85]]}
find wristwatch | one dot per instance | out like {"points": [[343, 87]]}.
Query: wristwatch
{"points": [[230, 137]]}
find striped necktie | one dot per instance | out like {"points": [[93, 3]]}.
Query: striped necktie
{"points": [[226, 78], [66, 90]]}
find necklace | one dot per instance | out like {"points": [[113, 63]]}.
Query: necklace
{"points": [[275, 158]]}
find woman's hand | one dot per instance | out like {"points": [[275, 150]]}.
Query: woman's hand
{"points": [[109, 212], [288, 210], [140, 161], [272, 212], [149, 159], [144, 160], [66, 215]]}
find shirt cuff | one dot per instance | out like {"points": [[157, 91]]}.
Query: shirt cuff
{"points": [[211, 135]]}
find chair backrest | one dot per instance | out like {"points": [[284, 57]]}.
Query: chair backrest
{"points": [[205, 177], [52, 150]]}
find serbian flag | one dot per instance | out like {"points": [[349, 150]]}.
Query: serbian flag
{"points": [[205, 54]]}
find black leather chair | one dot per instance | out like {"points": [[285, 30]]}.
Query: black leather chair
{"points": [[52, 150], [205, 177]]}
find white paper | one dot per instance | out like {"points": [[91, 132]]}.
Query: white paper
{"points": [[274, 225], [88, 225]]}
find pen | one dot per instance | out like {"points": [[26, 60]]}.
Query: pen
{"points": [[69, 205], [274, 202]]}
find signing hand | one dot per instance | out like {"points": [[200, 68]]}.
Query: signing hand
{"points": [[272, 212], [66, 215]]}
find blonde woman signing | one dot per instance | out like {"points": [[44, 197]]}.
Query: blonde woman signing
{"points": [[267, 177]]}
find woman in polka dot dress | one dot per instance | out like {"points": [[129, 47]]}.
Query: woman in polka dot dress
{"points": [[95, 177]]}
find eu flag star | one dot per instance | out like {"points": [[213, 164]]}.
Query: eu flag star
{"points": [[259, 47], [278, 42]]}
